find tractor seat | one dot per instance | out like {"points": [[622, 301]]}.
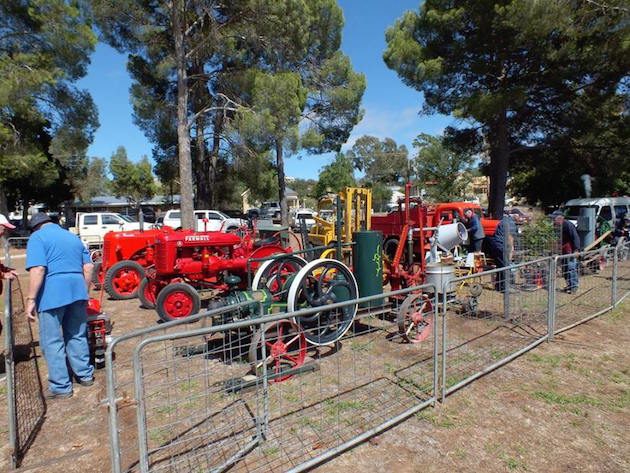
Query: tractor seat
{"points": [[265, 242]]}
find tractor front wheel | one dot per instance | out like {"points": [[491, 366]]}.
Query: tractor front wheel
{"points": [[122, 280], [177, 301]]}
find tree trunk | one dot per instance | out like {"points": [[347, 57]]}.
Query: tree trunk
{"points": [[183, 133], [214, 157], [203, 196], [284, 212], [4, 204], [499, 162]]}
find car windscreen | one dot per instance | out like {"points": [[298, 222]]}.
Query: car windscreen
{"points": [[174, 215], [306, 216], [573, 211]]}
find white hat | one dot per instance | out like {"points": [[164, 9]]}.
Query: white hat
{"points": [[5, 223]]}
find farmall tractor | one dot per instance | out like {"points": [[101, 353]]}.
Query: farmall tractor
{"points": [[194, 266], [125, 257]]}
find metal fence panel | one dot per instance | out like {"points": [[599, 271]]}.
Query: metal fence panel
{"points": [[593, 295], [254, 395], [623, 272], [26, 405], [491, 317]]}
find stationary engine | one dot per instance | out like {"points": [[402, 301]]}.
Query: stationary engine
{"points": [[99, 328]]}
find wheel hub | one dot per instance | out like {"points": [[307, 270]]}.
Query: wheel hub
{"points": [[278, 349]]}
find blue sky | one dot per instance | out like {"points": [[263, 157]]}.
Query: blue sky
{"points": [[391, 108]]}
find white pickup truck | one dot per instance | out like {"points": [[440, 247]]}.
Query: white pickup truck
{"points": [[206, 220], [92, 227]]}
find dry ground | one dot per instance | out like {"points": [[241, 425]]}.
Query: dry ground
{"points": [[565, 406]]}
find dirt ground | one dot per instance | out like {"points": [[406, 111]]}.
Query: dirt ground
{"points": [[565, 406]]}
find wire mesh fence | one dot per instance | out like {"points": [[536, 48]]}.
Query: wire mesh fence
{"points": [[26, 405], [535, 239], [584, 286], [277, 392], [490, 317]]}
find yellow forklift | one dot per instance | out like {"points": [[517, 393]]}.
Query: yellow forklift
{"points": [[342, 214]]}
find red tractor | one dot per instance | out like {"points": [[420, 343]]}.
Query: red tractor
{"points": [[188, 263], [125, 257]]}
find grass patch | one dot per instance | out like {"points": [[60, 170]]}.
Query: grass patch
{"points": [[512, 463], [334, 408], [271, 451], [159, 436], [551, 397], [443, 420], [165, 409], [360, 347], [189, 385]]}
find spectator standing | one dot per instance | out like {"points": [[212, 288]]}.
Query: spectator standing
{"points": [[5, 272], [475, 231], [570, 244], [500, 247], [60, 271]]}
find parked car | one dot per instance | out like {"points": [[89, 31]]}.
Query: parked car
{"points": [[205, 220], [253, 214], [270, 210], [303, 214], [519, 216], [92, 227]]}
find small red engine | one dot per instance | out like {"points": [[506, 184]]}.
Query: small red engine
{"points": [[99, 328]]}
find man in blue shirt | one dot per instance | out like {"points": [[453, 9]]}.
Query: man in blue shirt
{"points": [[59, 274]]}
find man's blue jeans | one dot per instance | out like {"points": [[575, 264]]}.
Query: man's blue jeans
{"points": [[571, 272], [63, 332]]}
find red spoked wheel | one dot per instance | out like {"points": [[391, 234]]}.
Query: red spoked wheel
{"points": [[122, 280], [285, 349], [415, 318], [177, 301], [147, 292]]}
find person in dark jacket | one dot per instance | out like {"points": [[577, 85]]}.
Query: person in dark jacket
{"points": [[500, 247], [475, 231], [570, 244]]}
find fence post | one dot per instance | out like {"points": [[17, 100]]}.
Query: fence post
{"points": [[615, 270], [444, 336], [551, 299], [9, 364]]}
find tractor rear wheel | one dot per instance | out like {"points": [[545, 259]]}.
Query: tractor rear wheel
{"points": [[147, 293], [122, 280], [177, 301]]}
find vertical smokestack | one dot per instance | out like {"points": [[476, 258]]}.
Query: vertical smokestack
{"points": [[586, 180]]}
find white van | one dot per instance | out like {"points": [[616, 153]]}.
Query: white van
{"points": [[611, 209]]}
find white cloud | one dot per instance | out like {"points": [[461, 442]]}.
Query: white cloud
{"points": [[401, 125]]}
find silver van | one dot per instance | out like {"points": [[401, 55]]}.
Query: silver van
{"points": [[610, 209]]}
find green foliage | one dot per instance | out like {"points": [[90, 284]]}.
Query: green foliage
{"points": [[441, 169], [96, 181], [46, 123], [540, 234], [382, 161], [131, 181], [524, 74], [381, 195], [335, 176]]}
